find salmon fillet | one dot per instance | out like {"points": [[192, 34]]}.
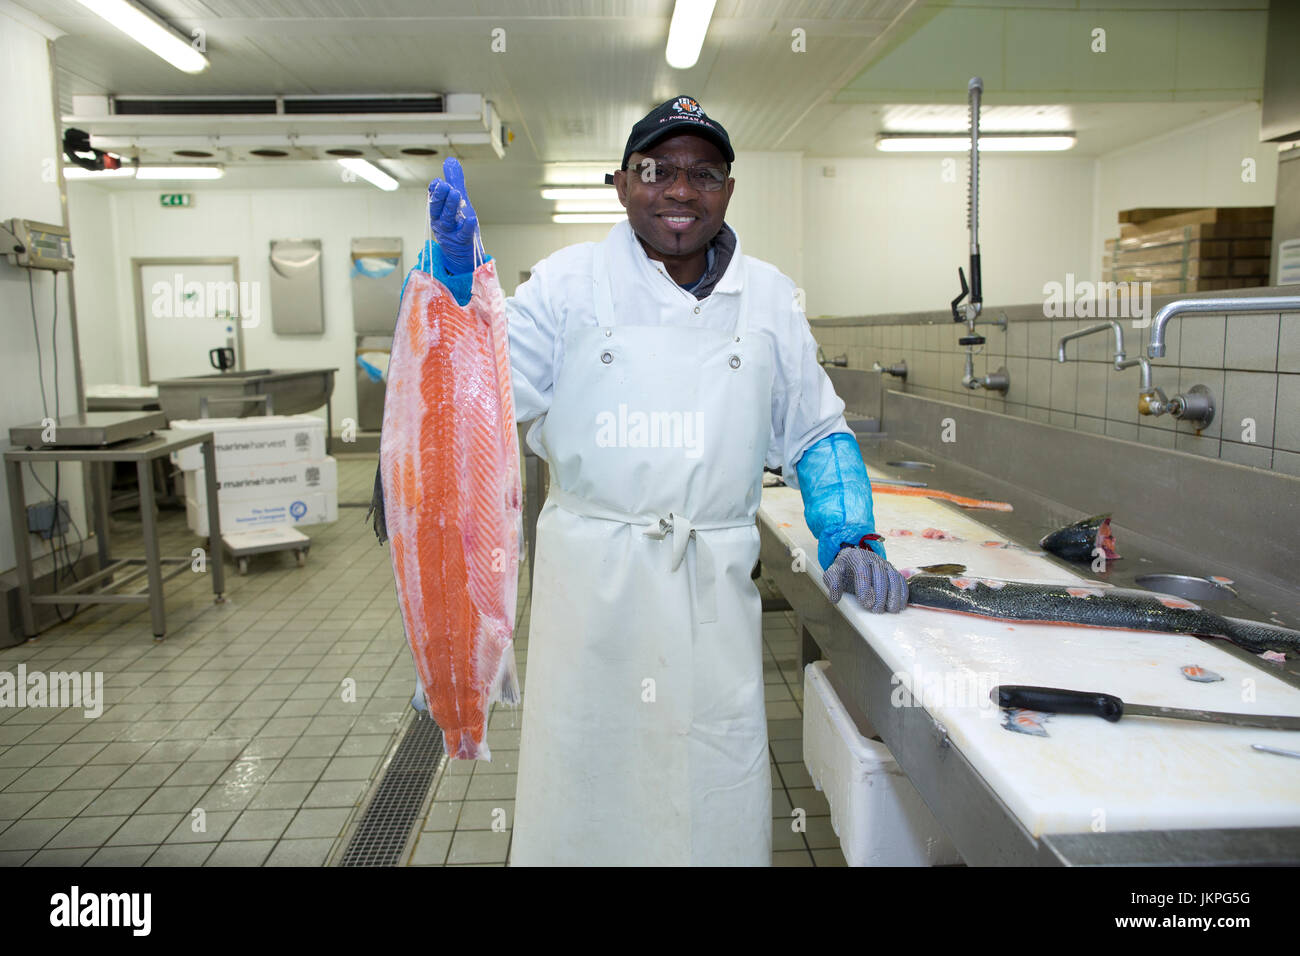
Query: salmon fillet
{"points": [[452, 501], [941, 496]]}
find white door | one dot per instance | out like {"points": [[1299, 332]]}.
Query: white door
{"points": [[186, 309]]}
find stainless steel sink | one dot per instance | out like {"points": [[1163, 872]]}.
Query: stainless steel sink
{"points": [[291, 392], [1187, 586], [909, 464]]}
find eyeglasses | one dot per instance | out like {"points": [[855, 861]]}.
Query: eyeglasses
{"points": [[659, 174]]}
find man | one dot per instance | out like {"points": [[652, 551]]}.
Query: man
{"points": [[664, 369]]}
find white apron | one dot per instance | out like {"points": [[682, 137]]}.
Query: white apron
{"points": [[644, 735]]}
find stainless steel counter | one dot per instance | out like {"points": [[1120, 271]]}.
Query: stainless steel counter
{"points": [[981, 826]]}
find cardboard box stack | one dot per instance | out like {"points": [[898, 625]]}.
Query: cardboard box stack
{"points": [[1192, 250], [272, 471]]}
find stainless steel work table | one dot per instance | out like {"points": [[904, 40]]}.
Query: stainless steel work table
{"points": [[143, 452], [980, 824]]}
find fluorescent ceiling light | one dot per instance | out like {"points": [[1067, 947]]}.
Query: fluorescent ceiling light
{"points": [[954, 119], [589, 205], [370, 173], [179, 172], [151, 32], [80, 172], [579, 192], [576, 174], [571, 217], [686, 33], [989, 142]]}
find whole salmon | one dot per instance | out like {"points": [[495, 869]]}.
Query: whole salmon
{"points": [[448, 498], [1084, 605]]}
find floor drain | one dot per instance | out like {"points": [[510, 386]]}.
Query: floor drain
{"points": [[394, 809]]}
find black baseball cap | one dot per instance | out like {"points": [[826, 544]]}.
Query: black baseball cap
{"points": [[680, 114]]}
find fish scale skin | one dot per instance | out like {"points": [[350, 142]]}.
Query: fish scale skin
{"points": [[449, 470], [1116, 608]]}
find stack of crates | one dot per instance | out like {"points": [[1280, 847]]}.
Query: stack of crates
{"points": [[272, 472], [1192, 250]]}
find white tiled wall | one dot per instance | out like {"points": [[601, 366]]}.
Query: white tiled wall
{"points": [[1250, 363]]}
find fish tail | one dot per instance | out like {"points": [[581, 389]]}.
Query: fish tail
{"points": [[1257, 637], [377, 507], [461, 745], [505, 688]]}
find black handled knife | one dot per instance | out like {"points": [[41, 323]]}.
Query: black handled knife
{"points": [[1055, 700]]}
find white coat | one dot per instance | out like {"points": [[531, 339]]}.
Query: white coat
{"points": [[644, 735]]}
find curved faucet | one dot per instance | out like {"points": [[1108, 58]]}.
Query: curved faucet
{"points": [[999, 381], [1271, 303], [1196, 405], [1100, 327]]}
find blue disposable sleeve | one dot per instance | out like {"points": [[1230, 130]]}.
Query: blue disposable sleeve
{"points": [[460, 285], [836, 495]]}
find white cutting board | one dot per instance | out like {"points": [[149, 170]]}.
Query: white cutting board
{"points": [[1138, 774]]}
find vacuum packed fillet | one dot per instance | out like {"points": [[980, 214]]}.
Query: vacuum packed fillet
{"points": [[452, 503]]}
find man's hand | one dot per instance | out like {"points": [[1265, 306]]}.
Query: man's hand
{"points": [[453, 219], [874, 580]]}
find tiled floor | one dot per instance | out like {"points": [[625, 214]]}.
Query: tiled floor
{"points": [[233, 741], [237, 741]]}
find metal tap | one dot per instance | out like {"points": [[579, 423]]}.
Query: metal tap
{"points": [[1113, 325], [1196, 406], [969, 312], [998, 381], [898, 371], [1272, 303], [841, 361]]}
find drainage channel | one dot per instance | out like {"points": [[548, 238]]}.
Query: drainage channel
{"points": [[394, 809]]}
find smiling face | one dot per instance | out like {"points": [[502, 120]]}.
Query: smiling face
{"points": [[675, 220]]}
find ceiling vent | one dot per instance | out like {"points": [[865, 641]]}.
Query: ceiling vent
{"points": [[269, 128]]}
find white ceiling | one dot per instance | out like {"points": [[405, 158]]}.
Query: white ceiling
{"points": [[576, 74]]}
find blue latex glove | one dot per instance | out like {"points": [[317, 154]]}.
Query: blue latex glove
{"points": [[454, 222]]}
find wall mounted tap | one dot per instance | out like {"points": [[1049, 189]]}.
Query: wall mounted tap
{"points": [[1272, 303], [898, 371], [999, 381], [840, 360], [1196, 406], [1113, 325]]}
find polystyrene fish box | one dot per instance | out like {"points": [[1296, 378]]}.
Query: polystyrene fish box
{"points": [[259, 481], [258, 440], [875, 811], [249, 514]]}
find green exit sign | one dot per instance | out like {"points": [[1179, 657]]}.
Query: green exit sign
{"points": [[176, 199]]}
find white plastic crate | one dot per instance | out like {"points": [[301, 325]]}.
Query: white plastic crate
{"points": [[256, 440], [263, 481], [250, 514], [876, 812]]}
